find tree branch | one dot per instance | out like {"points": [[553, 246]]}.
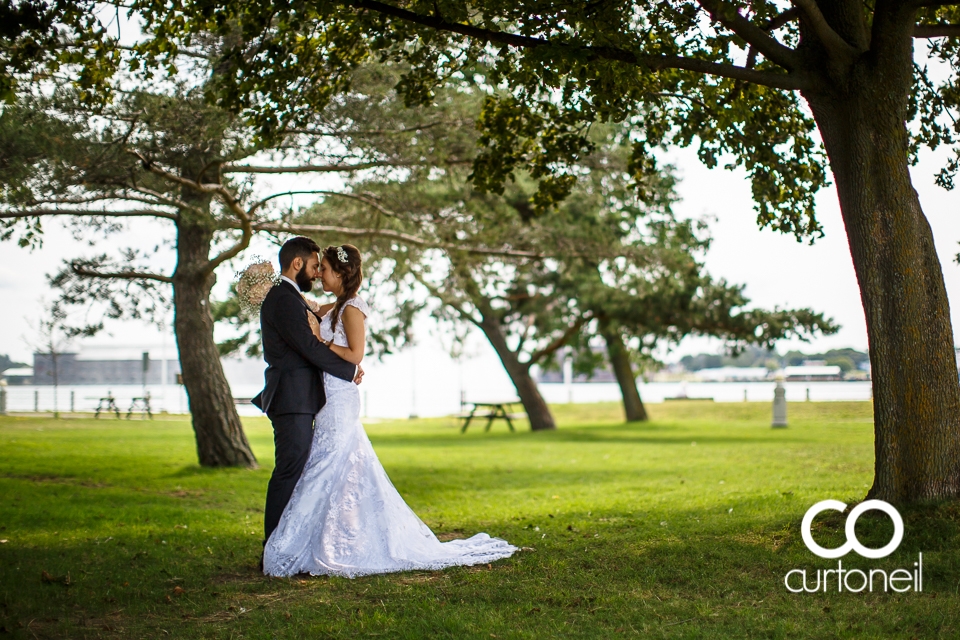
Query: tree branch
{"points": [[370, 132], [782, 19], [214, 188], [759, 38], [33, 213], [936, 31], [400, 237], [831, 40], [651, 62], [352, 196], [310, 168], [121, 275], [179, 52], [537, 356], [245, 227]]}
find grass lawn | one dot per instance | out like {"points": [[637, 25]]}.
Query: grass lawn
{"points": [[681, 527]]}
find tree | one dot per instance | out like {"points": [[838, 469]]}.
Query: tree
{"points": [[52, 339], [7, 363], [755, 80], [163, 154], [638, 311], [606, 262]]}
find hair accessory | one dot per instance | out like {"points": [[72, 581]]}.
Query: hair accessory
{"points": [[341, 254]]}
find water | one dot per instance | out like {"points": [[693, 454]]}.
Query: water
{"points": [[384, 398]]}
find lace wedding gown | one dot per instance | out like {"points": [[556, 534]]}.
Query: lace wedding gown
{"points": [[345, 517]]}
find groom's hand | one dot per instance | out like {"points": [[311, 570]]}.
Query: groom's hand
{"points": [[359, 378]]}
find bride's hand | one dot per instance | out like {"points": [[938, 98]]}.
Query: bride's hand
{"points": [[314, 325]]}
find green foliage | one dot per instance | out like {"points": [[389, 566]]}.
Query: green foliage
{"points": [[7, 363], [155, 546], [751, 356], [588, 64]]}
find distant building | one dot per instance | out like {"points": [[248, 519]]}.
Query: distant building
{"points": [[812, 373], [72, 369], [18, 376]]}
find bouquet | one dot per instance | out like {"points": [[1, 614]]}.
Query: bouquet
{"points": [[253, 284]]}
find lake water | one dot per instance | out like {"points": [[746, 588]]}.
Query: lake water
{"points": [[399, 399]]}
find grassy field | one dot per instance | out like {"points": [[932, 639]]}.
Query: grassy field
{"points": [[683, 527]]}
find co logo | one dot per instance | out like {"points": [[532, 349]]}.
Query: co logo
{"points": [[852, 543]]}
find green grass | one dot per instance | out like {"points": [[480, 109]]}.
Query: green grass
{"points": [[681, 527]]}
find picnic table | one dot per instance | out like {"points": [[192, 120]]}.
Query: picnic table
{"points": [[142, 405], [108, 403], [491, 411]]}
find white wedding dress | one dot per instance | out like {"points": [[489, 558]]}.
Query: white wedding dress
{"points": [[345, 517]]}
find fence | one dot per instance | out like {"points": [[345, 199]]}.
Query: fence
{"points": [[86, 398]]}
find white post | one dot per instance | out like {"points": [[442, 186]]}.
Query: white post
{"points": [[779, 405], [568, 377], [413, 385], [163, 370]]}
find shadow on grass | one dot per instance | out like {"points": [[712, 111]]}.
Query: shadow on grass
{"points": [[648, 579]]}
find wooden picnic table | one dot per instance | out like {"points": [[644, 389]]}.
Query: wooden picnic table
{"points": [[141, 405], [108, 404], [491, 411]]}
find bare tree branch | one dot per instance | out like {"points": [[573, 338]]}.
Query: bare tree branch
{"points": [[371, 132], [837, 46], [369, 201], [180, 52], [121, 275], [652, 62], [310, 168], [451, 302], [727, 15], [403, 238], [167, 200], [782, 19], [936, 31], [537, 356], [245, 226], [33, 213]]}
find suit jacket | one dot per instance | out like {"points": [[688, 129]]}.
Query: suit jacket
{"points": [[294, 356]]}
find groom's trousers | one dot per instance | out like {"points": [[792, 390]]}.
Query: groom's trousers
{"points": [[292, 436]]}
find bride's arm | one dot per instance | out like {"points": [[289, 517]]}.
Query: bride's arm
{"points": [[356, 336]]}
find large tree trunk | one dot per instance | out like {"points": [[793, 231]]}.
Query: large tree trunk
{"points": [[623, 370], [916, 394], [220, 438], [519, 372]]}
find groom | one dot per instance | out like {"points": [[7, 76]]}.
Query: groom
{"points": [[293, 393]]}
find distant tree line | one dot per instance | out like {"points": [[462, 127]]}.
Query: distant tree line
{"points": [[753, 356], [7, 363]]}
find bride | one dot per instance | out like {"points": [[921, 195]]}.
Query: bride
{"points": [[345, 517]]}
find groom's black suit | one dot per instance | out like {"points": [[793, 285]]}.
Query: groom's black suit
{"points": [[293, 393]]}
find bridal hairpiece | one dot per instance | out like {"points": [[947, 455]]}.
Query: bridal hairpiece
{"points": [[341, 254], [253, 284]]}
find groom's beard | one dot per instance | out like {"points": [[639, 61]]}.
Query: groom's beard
{"points": [[303, 280]]}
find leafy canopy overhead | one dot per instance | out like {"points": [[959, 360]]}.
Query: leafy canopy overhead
{"points": [[726, 76]]}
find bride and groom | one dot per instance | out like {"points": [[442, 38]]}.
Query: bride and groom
{"points": [[330, 508]]}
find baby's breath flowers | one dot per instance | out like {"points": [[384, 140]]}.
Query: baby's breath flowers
{"points": [[253, 283]]}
